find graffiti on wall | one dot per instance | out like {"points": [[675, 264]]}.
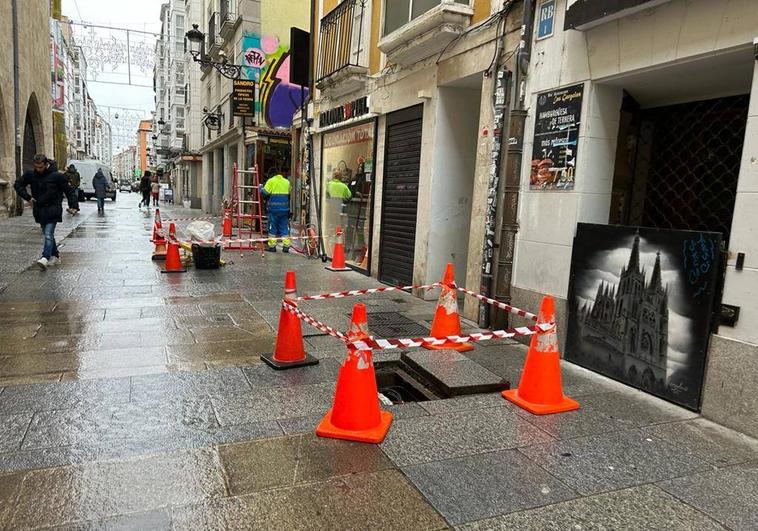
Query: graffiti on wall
{"points": [[268, 64]]}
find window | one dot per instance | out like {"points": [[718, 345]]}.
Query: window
{"points": [[397, 13]]}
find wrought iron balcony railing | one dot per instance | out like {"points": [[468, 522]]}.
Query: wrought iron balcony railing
{"points": [[341, 39]]}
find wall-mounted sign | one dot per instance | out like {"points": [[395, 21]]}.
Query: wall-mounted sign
{"points": [[243, 98], [344, 112], [556, 137], [545, 19]]}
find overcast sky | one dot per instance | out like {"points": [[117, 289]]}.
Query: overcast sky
{"points": [[133, 14]]}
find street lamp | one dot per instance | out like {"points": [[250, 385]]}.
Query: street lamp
{"points": [[195, 37]]}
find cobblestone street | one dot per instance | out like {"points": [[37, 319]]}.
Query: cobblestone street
{"points": [[135, 400]]}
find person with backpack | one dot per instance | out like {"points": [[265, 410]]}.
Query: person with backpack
{"points": [[145, 188]]}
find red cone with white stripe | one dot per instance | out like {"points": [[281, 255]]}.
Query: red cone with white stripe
{"points": [[338, 253], [289, 351], [446, 321]]}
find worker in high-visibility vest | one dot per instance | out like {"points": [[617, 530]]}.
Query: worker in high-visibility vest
{"points": [[277, 190]]}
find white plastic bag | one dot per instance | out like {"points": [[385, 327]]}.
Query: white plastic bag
{"points": [[201, 230]]}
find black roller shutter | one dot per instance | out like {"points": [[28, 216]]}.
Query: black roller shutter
{"points": [[400, 196]]}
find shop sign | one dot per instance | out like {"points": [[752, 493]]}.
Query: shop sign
{"points": [[556, 138], [243, 98], [344, 112]]}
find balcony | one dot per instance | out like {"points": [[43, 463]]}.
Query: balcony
{"points": [[214, 37], [230, 19], [343, 59], [427, 29]]}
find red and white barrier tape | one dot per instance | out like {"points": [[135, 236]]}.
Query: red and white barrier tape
{"points": [[234, 241], [386, 344], [353, 292], [501, 305], [203, 218], [313, 322]]}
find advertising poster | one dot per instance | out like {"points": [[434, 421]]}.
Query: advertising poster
{"points": [[556, 136], [57, 72], [641, 306]]}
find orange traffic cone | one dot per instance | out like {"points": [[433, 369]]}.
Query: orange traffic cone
{"points": [[157, 226], [160, 244], [539, 391], [173, 260], [355, 414], [338, 254], [446, 321], [227, 225], [289, 351]]}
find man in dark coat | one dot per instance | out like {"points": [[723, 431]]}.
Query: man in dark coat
{"points": [[48, 186], [100, 184], [144, 188], [74, 181]]}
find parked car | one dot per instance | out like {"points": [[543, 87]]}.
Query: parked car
{"points": [[135, 186], [125, 186], [87, 170]]}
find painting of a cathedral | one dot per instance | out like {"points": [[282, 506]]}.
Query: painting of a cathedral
{"points": [[632, 320], [641, 306]]}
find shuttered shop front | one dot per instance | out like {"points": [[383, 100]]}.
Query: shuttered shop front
{"points": [[400, 195]]}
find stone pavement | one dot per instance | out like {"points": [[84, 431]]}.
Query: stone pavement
{"points": [[135, 400]]}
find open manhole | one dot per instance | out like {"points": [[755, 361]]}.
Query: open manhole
{"points": [[400, 384]]}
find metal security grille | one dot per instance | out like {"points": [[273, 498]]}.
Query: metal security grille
{"points": [[686, 165], [400, 196]]}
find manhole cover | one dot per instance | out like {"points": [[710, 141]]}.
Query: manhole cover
{"points": [[383, 318], [399, 330]]}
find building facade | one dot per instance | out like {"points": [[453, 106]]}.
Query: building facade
{"points": [[666, 139], [403, 120], [170, 91], [145, 146], [33, 122], [254, 34], [125, 164]]}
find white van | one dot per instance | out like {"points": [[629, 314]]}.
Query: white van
{"points": [[87, 170]]}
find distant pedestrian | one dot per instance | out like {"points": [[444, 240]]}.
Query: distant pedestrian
{"points": [[74, 181], [155, 188], [100, 184], [48, 187], [145, 189]]}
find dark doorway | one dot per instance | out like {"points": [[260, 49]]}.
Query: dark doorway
{"points": [[402, 159], [677, 166], [30, 144]]}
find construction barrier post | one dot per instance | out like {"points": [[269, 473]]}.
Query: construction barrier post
{"points": [[289, 351], [338, 253], [355, 414], [446, 321], [540, 391]]}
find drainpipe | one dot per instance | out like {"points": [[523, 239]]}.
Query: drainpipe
{"points": [[19, 206], [509, 192]]}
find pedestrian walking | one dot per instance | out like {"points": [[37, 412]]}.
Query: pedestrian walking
{"points": [[277, 191], [100, 184], [48, 187], [74, 181], [155, 188], [145, 189]]}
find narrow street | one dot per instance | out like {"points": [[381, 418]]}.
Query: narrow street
{"points": [[136, 400]]}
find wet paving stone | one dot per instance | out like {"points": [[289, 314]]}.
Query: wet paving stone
{"points": [[50, 396], [379, 500], [729, 496], [424, 439], [12, 430], [274, 403], [10, 485], [218, 382], [245, 352], [600, 463], [635, 509], [98, 490], [485, 485]]}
